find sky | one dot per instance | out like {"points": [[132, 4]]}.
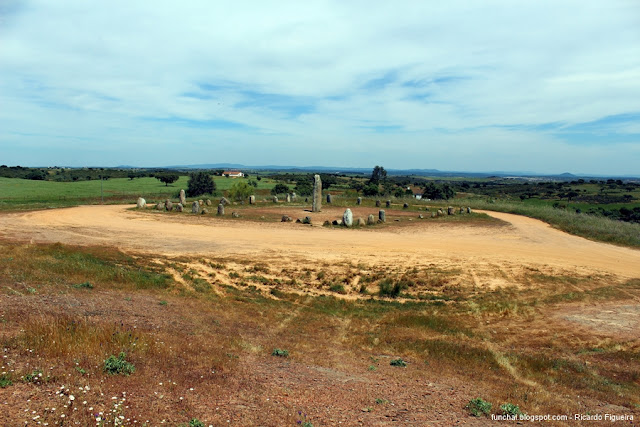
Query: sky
{"points": [[541, 86]]}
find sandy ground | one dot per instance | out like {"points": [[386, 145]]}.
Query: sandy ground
{"points": [[524, 241]]}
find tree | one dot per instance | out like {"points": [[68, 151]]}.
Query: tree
{"points": [[438, 192], [240, 190], [36, 175], [378, 174], [280, 189], [304, 187], [200, 183], [328, 180], [370, 190], [167, 178]]}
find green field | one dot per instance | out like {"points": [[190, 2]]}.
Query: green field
{"points": [[20, 194]]}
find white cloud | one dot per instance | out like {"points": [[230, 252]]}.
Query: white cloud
{"points": [[99, 72]]}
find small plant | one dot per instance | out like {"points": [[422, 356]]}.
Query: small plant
{"points": [[80, 370], [280, 353], [338, 288], [233, 275], [194, 422], [478, 407], [163, 302], [372, 368], [85, 285], [510, 409], [118, 365], [398, 362], [5, 381], [34, 377], [302, 421], [381, 401], [321, 275]]}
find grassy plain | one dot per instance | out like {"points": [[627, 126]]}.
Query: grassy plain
{"points": [[21, 194]]}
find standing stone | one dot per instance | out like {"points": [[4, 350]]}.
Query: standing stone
{"points": [[461, 210], [361, 222], [201, 202], [450, 210], [377, 203], [288, 198], [252, 200], [317, 194], [405, 206], [179, 207], [294, 197], [160, 206], [307, 219], [371, 219], [208, 202], [337, 222], [326, 223], [220, 209], [440, 212], [204, 211], [433, 214], [142, 203], [359, 201], [468, 209], [195, 207], [388, 203], [347, 218], [286, 218], [183, 198], [225, 201], [275, 199], [382, 216], [420, 216], [168, 205], [329, 198], [235, 214]]}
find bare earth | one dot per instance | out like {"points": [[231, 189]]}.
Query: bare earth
{"points": [[524, 241]]}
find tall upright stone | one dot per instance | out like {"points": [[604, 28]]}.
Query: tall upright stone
{"points": [[168, 205], [371, 219], [183, 198], [142, 203], [377, 203], [220, 209], [317, 194], [329, 198], [450, 210], [252, 200], [388, 203], [347, 218], [359, 201], [195, 207], [275, 199], [288, 198], [382, 216]]}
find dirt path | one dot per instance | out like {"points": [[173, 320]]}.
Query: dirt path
{"points": [[524, 241]]}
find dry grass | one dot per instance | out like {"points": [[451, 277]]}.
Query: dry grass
{"points": [[200, 333]]}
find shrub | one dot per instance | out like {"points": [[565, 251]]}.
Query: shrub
{"points": [[510, 409], [280, 353], [118, 365], [200, 183], [280, 189], [240, 190], [478, 407], [398, 362], [389, 289]]}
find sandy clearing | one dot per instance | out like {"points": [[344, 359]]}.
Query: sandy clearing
{"points": [[524, 241]]}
